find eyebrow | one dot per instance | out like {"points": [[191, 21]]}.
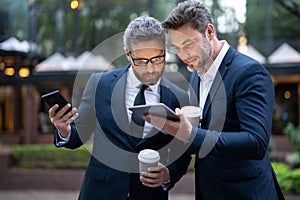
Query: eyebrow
{"points": [[139, 58], [185, 41]]}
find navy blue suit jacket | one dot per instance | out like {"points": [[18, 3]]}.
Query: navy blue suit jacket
{"points": [[111, 173], [232, 144]]}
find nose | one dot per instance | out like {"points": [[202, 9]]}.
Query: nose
{"points": [[183, 55], [149, 67], [182, 52]]}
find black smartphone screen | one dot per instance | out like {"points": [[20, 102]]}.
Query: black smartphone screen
{"points": [[55, 97]]}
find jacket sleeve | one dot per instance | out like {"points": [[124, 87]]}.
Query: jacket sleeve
{"points": [[246, 124], [178, 169], [84, 125]]}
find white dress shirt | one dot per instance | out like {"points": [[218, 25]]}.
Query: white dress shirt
{"points": [[207, 77], [152, 95]]}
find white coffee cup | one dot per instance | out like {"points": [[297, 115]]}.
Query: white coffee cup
{"points": [[193, 114], [148, 158]]}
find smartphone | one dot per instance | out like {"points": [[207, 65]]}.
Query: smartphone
{"points": [[55, 97], [159, 109]]}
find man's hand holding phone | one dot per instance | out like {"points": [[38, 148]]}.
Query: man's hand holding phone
{"points": [[62, 120], [61, 112]]}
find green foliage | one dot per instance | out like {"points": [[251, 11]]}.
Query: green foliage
{"points": [[289, 180], [192, 163], [48, 156], [270, 21], [292, 133], [294, 159], [73, 31]]}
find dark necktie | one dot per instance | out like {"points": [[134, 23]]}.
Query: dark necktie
{"points": [[137, 123]]}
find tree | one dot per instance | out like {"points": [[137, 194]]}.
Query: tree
{"points": [[73, 31], [269, 24], [292, 6]]}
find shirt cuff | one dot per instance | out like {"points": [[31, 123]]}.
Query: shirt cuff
{"points": [[166, 185], [62, 140]]}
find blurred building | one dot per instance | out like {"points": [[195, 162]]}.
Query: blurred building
{"points": [[25, 76]]}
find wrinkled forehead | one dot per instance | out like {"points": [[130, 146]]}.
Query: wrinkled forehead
{"points": [[147, 49], [148, 45]]}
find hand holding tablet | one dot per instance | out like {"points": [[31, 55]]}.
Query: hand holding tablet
{"points": [[159, 109]]}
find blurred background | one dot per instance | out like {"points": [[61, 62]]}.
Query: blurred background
{"points": [[50, 44]]}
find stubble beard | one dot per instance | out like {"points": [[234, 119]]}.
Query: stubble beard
{"points": [[150, 81], [206, 53]]}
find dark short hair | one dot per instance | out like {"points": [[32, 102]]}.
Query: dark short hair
{"points": [[188, 12]]}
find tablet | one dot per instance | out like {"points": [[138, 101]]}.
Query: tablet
{"points": [[159, 109]]}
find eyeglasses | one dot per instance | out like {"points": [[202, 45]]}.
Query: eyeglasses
{"points": [[144, 61]]}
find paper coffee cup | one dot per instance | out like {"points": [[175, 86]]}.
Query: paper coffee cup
{"points": [[148, 158], [192, 113]]}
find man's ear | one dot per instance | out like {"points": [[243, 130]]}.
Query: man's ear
{"points": [[127, 54], [126, 50], [210, 31]]}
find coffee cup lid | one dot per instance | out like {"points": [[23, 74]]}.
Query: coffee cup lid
{"points": [[149, 156], [191, 111]]}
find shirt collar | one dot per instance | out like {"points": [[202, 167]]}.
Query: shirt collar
{"points": [[222, 53], [134, 82], [212, 71]]}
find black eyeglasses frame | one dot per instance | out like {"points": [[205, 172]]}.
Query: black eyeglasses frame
{"points": [[148, 60]]}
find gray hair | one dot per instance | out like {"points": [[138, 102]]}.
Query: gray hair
{"points": [[143, 28]]}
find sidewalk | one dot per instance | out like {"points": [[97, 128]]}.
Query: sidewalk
{"points": [[61, 184], [73, 195], [58, 194], [35, 185]]}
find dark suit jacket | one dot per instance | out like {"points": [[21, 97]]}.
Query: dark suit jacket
{"points": [[231, 145], [112, 171]]}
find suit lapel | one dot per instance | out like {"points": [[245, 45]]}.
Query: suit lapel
{"points": [[193, 89], [165, 93], [217, 90], [118, 100], [214, 90], [118, 104]]}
